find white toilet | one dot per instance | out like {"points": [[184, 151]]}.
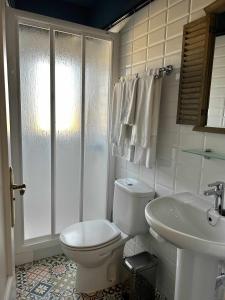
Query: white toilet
{"points": [[97, 245]]}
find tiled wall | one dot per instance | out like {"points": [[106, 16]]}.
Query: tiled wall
{"points": [[153, 37]]}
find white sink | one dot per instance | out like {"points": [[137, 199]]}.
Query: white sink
{"points": [[182, 219]]}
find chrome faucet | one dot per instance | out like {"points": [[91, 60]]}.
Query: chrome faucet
{"points": [[218, 192]]}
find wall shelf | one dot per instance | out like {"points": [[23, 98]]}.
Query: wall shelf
{"points": [[208, 153]]}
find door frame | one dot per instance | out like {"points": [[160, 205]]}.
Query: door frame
{"points": [[5, 156], [15, 17]]}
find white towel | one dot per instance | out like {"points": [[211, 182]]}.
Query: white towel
{"points": [[117, 100], [127, 118], [144, 131], [129, 102]]}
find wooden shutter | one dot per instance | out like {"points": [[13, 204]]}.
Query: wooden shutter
{"points": [[195, 74]]}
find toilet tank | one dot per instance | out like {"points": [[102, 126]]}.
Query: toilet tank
{"points": [[130, 199]]}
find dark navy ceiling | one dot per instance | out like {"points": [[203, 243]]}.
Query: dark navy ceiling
{"points": [[97, 13]]}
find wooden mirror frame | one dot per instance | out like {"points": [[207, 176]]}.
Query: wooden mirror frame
{"points": [[196, 70]]}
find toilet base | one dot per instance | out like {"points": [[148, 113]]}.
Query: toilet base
{"points": [[108, 274]]}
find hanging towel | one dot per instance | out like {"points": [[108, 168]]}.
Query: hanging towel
{"points": [[127, 118], [117, 101], [129, 102], [144, 131]]}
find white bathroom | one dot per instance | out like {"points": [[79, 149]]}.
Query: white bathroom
{"points": [[112, 153]]}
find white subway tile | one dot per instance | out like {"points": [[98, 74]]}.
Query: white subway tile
{"points": [[140, 29], [133, 168], [165, 173], [156, 36], [140, 56], [125, 71], [174, 45], [197, 14], [168, 123], [157, 21], [168, 107], [140, 68], [213, 170], [126, 61], [147, 175], [197, 4], [162, 190], [166, 152], [156, 63], [178, 11], [216, 142], [141, 15], [129, 22], [188, 172], [157, 6], [172, 2], [174, 60], [126, 49], [169, 98], [126, 37], [166, 137], [140, 43], [176, 27], [155, 51], [191, 140], [120, 173]]}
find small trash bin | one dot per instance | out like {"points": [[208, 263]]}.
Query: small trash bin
{"points": [[142, 267]]}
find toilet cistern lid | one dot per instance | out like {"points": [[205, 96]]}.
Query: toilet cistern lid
{"points": [[89, 234]]}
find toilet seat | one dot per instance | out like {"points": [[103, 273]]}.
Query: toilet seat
{"points": [[90, 235]]}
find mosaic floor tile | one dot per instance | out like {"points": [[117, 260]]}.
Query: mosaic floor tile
{"points": [[53, 278]]}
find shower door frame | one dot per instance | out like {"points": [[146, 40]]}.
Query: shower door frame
{"points": [[14, 18]]}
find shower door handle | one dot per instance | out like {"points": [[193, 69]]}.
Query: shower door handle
{"points": [[21, 187], [13, 187]]}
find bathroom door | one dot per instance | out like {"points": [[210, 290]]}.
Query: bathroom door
{"points": [[7, 268], [60, 81]]}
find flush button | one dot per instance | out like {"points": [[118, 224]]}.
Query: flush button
{"points": [[130, 184]]}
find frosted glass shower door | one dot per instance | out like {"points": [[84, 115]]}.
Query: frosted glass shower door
{"points": [[67, 129], [97, 80], [63, 91], [34, 60]]}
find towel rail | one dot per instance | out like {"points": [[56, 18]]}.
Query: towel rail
{"points": [[164, 70], [161, 71]]}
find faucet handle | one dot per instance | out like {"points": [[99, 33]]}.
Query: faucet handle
{"points": [[217, 184]]}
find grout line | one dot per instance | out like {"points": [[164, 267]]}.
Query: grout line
{"points": [[174, 4]]}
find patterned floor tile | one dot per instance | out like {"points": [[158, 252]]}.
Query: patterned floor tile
{"points": [[53, 278]]}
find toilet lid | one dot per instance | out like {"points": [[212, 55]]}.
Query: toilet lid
{"points": [[89, 234]]}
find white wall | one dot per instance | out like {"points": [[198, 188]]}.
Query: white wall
{"points": [[153, 37]]}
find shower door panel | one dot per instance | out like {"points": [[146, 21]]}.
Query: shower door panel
{"points": [[60, 79], [68, 64], [97, 85], [34, 61]]}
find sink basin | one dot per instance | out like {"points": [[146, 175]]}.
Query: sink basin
{"points": [[182, 219]]}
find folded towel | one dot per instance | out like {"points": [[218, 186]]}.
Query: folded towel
{"points": [[117, 101], [144, 131]]}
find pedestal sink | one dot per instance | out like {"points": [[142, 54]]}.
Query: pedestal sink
{"points": [[182, 219]]}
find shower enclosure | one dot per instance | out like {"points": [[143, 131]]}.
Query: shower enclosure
{"points": [[60, 78]]}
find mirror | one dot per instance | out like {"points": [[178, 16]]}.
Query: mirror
{"points": [[216, 109], [202, 77]]}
